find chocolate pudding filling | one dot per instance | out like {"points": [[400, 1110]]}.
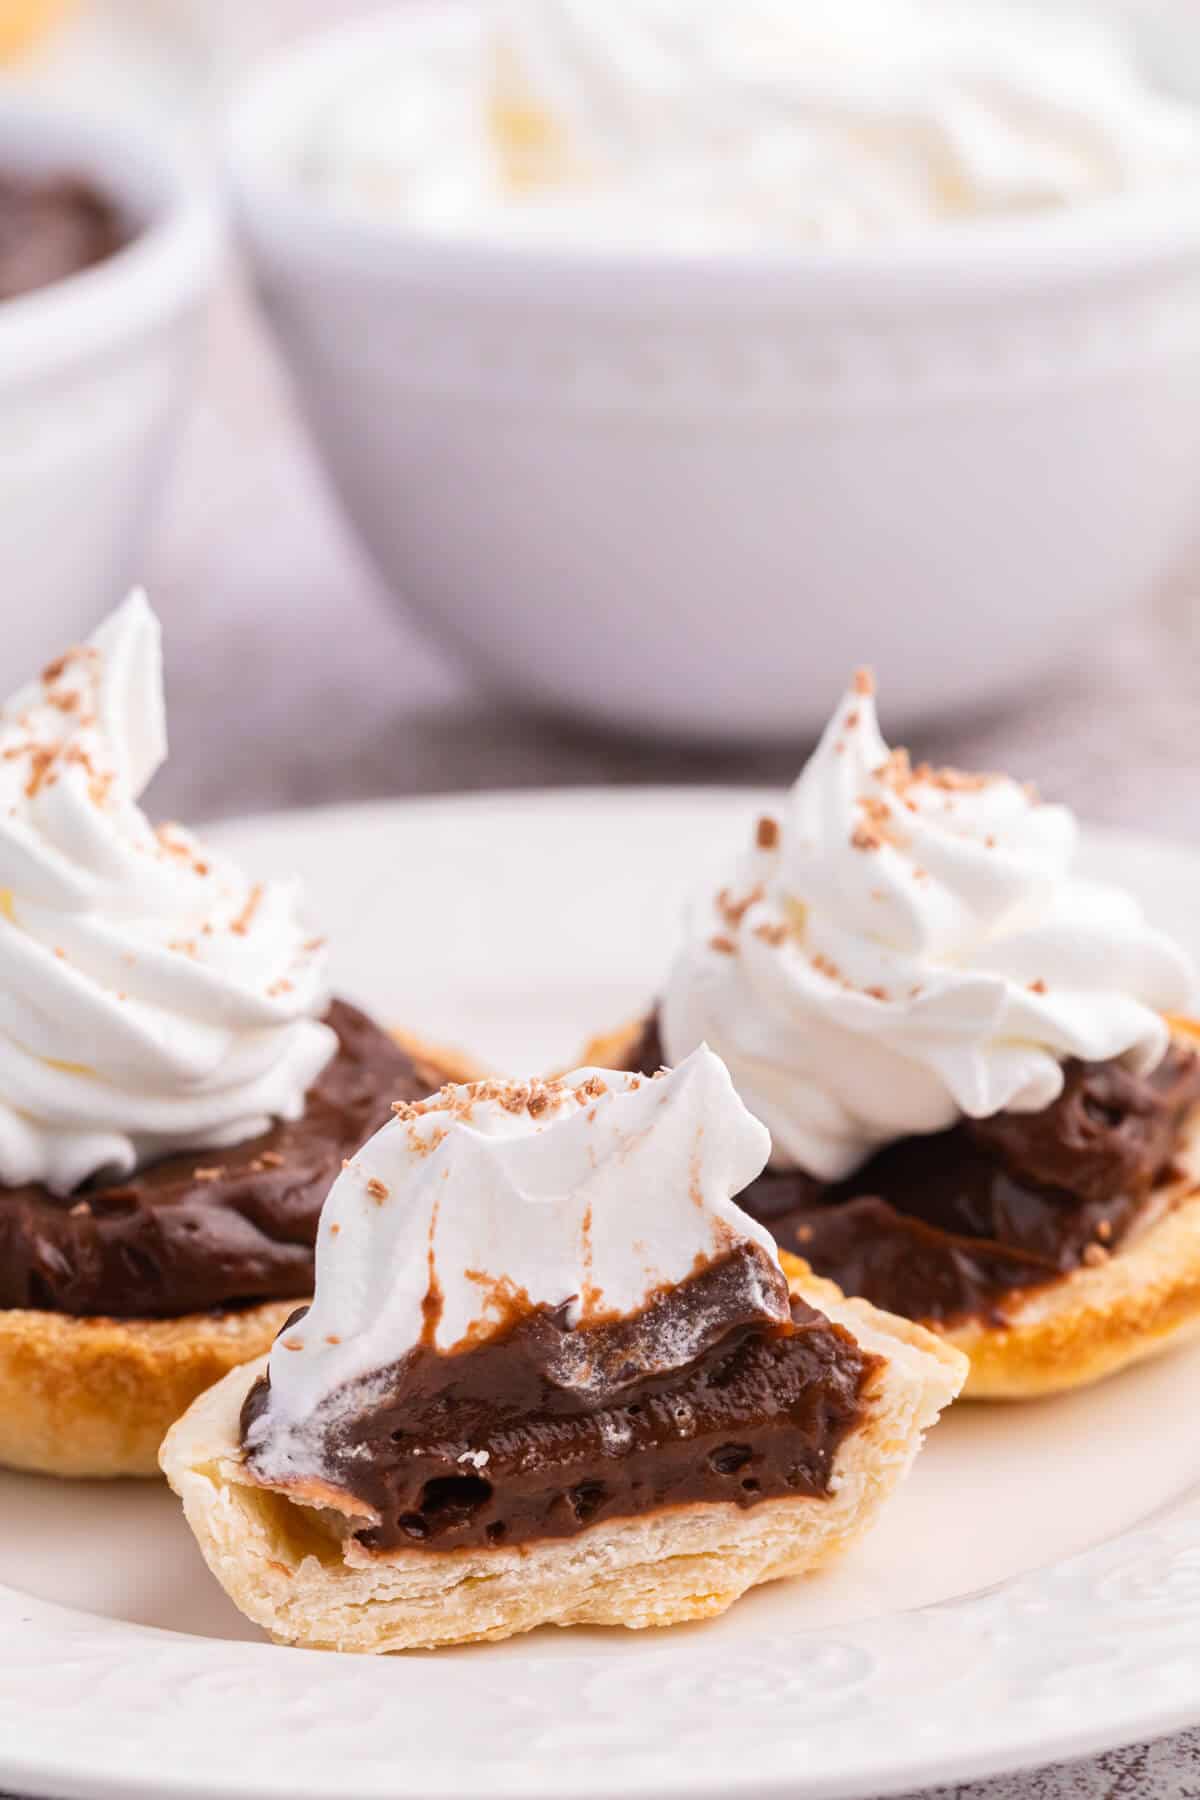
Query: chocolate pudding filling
{"points": [[543, 1430], [217, 1229], [942, 1227], [52, 226]]}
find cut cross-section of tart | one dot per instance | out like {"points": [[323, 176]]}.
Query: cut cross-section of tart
{"points": [[552, 1374]]}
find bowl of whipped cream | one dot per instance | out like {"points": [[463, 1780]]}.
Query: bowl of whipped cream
{"points": [[668, 355]]}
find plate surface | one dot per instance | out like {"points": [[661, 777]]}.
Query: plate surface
{"points": [[1033, 1592]]}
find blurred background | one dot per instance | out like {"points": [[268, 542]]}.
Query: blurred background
{"points": [[296, 678]]}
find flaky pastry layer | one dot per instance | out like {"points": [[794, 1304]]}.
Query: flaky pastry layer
{"points": [[94, 1397], [291, 1570]]}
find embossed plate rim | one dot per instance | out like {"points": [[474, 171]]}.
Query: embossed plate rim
{"points": [[1097, 1649]]}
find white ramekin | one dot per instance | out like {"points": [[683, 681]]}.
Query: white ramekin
{"points": [[687, 494], [91, 374]]}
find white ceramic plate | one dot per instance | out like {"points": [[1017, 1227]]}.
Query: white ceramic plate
{"points": [[1033, 1593]]}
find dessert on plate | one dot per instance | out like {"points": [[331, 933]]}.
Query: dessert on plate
{"points": [[177, 1088], [551, 1375], [974, 1064]]}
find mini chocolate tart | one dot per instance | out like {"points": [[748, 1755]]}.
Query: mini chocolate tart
{"points": [[53, 226], [121, 1304], [983, 1102], [540, 1459], [178, 1092], [672, 1534]]}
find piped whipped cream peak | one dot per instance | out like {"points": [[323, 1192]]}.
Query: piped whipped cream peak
{"points": [[701, 124], [596, 1191], [152, 997], [907, 945]]}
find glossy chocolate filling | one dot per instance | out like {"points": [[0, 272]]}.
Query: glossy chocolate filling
{"points": [[942, 1227], [217, 1229], [51, 227], [544, 1430]]}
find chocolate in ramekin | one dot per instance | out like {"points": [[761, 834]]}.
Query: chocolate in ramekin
{"points": [[53, 226]]}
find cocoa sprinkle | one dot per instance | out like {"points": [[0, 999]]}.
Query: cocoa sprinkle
{"points": [[734, 911], [459, 1101], [241, 924], [41, 760]]}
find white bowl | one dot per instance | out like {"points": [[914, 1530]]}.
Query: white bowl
{"points": [[687, 494], [91, 375]]}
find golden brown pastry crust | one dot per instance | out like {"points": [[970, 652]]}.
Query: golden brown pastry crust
{"points": [[1095, 1321], [290, 1568], [1091, 1323], [95, 1396], [1141, 1301]]}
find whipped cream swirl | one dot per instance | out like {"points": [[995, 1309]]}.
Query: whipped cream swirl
{"points": [[152, 997], [698, 124], [597, 1190], [909, 945]]}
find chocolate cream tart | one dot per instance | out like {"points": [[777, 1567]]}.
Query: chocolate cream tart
{"points": [[982, 1092], [551, 1374], [178, 1089]]}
